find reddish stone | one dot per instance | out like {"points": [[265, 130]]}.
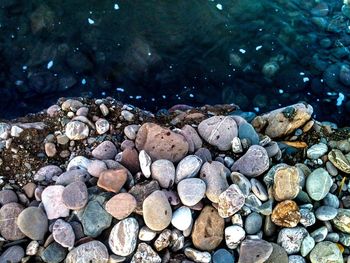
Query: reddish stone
{"points": [[130, 159], [112, 180], [121, 205]]}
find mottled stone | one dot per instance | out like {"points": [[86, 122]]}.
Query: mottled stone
{"points": [[307, 217], [318, 184], [191, 191], [112, 180], [8, 217], [164, 172], [234, 235], [76, 130], [291, 238], [242, 182], [130, 131], [208, 229], [96, 167], [123, 237], [254, 250], [342, 220], [32, 248], [230, 201], [13, 254], [319, 234], [146, 234], [75, 195], [188, 167], [163, 240], [33, 222], [53, 253], [286, 183], [104, 151], [197, 256], [121, 205], [161, 143], [157, 212], [253, 163], [52, 200], [78, 162], [218, 131], [145, 253], [307, 245], [286, 214], [339, 160], [63, 233], [102, 126], [93, 251], [326, 252]]}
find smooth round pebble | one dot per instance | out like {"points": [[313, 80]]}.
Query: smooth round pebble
{"points": [[104, 151], [75, 195], [222, 256], [326, 213], [52, 200], [7, 196], [325, 252], [191, 191], [121, 205], [182, 218], [63, 233], [253, 223], [234, 235], [93, 251], [33, 222], [8, 225], [164, 172], [318, 184], [188, 167]]}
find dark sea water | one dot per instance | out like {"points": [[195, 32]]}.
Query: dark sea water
{"points": [[157, 53]]}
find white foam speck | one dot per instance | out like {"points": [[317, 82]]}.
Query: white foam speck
{"points": [[219, 6], [340, 99], [242, 50], [116, 6], [138, 97], [120, 89], [149, 53], [91, 22], [50, 64], [256, 109], [280, 91], [24, 67], [301, 73], [306, 79], [258, 47], [83, 81], [164, 97], [191, 95]]}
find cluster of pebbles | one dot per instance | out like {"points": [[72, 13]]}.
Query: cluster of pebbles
{"points": [[213, 184]]}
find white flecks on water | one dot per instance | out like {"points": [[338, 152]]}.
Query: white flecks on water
{"points": [[219, 6], [83, 81], [120, 89], [258, 48], [138, 97], [91, 22], [191, 95], [24, 67], [163, 96], [301, 73], [305, 79], [340, 99], [280, 91], [257, 109], [242, 50], [116, 7], [50, 64]]}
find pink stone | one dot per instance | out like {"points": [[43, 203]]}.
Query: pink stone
{"points": [[52, 200]]}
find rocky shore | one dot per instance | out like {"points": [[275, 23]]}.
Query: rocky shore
{"points": [[99, 181]]}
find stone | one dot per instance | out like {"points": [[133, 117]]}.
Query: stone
{"points": [[161, 143], [307, 245], [284, 121], [286, 183], [145, 163], [236, 145], [204, 154], [197, 256], [278, 255], [47, 172], [72, 176], [76, 130], [102, 126], [75, 195], [296, 259], [141, 191], [104, 151], [13, 254], [16, 131], [319, 234], [71, 105], [121, 205], [145, 253], [177, 240], [63, 233], [163, 240], [95, 219], [331, 200], [218, 131], [222, 256], [208, 229], [242, 182], [29, 189], [339, 160], [182, 218], [215, 176], [254, 250], [191, 191], [286, 214], [188, 167], [123, 237], [344, 239], [307, 217], [253, 223], [130, 159], [192, 138], [93, 251], [96, 167], [53, 203], [325, 252], [50, 149], [32, 222], [230, 201], [259, 190], [54, 253], [157, 212], [291, 238], [247, 131], [326, 213], [318, 184], [342, 220], [164, 172], [253, 163], [146, 234], [234, 235], [316, 151], [112, 180], [130, 131], [8, 225], [78, 162], [32, 248]]}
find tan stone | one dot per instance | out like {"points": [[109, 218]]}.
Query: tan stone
{"points": [[286, 183], [339, 160], [286, 214], [112, 180], [121, 205], [208, 230]]}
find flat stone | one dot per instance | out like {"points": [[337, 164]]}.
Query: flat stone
{"points": [[121, 205], [234, 235], [218, 131], [319, 234], [326, 213], [253, 163], [253, 223], [326, 252], [145, 163], [8, 196], [222, 256], [54, 253], [208, 229], [188, 167], [157, 212], [141, 191], [182, 218], [316, 151], [75, 195], [247, 131], [197, 256], [13, 254], [161, 143], [192, 138], [318, 184], [53, 203], [63, 233], [230, 201], [278, 255], [215, 175], [76, 130], [286, 214], [33, 222], [112, 180], [307, 245], [284, 121], [104, 151], [46, 173], [123, 237], [342, 220], [73, 176], [145, 253], [164, 172], [339, 160], [95, 219], [254, 250], [286, 183], [93, 251], [8, 217], [259, 190], [291, 238], [242, 182], [96, 167], [191, 191]]}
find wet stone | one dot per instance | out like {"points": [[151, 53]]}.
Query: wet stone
{"points": [[7, 196], [164, 172], [53, 202], [230, 201], [291, 238], [286, 214], [318, 184], [253, 223], [191, 191], [338, 159], [63, 233], [13, 254], [342, 220], [145, 253], [254, 250], [54, 253], [316, 151], [319, 234], [242, 182], [8, 217], [326, 213], [75, 195], [93, 251], [76, 130], [33, 222]]}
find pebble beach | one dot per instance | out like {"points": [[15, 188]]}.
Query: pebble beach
{"points": [[96, 180]]}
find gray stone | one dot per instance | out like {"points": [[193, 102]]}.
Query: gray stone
{"points": [[93, 251], [253, 223], [75, 195], [307, 245], [242, 182], [13, 254], [7, 196], [73, 176], [254, 250], [296, 259], [259, 190], [47, 172], [164, 172], [8, 225], [331, 200], [317, 150], [51, 198], [191, 191], [63, 233], [307, 217], [291, 238], [105, 150], [319, 234], [247, 131], [318, 184], [95, 219], [326, 252], [326, 213], [188, 167], [54, 253], [278, 255], [33, 222]]}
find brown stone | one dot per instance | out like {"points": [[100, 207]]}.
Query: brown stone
{"points": [[286, 214], [29, 189], [161, 143], [8, 217], [208, 229], [50, 149], [286, 183], [112, 180], [130, 159], [121, 205], [141, 191]]}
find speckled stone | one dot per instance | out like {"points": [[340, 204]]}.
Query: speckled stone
{"points": [[197, 256], [76, 130], [8, 217], [286, 214], [278, 255], [145, 253], [254, 250], [318, 184], [291, 238], [326, 252], [52, 200], [230, 201], [104, 151], [93, 251], [234, 235], [286, 183], [338, 159], [342, 220], [188, 167], [102, 126], [191, 191], [63, 233]]}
